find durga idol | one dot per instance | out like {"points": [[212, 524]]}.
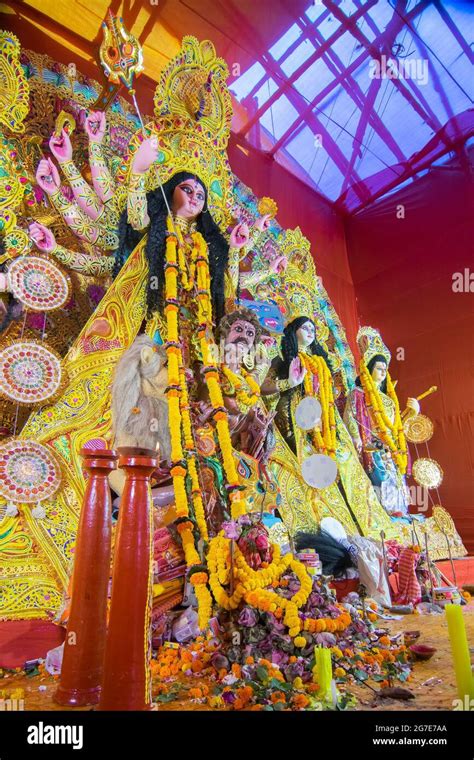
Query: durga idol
{"points": [[176, 273]]}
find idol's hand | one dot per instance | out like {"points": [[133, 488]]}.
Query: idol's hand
{"points": [[3, 285], [279, 264], [414, 405], [263, 222], [42, 237], [47, 176], [240, 236], [61, 147], [267, 341], [297, 373], [145, 156], [358, 445], [94, 126]]}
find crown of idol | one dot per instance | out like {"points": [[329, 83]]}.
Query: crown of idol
{"points": [[370, 344], [193, 112], [300, 299]]}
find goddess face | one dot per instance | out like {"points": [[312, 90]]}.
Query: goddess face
{"points": [[379, 372], [189, 199], [305, 334]]}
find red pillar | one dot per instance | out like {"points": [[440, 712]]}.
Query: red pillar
{"points": [[127, 679], [84, 647]]}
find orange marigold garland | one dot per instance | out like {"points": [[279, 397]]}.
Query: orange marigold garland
{"points": [[250, 586]]}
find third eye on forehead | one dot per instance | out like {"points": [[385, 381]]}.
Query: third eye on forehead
{"points": [[191, 185]]}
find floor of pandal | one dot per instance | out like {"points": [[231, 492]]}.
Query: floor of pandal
{"points": [[432, 682]]}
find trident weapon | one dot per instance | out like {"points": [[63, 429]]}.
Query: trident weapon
{"points": [[121, 55]]}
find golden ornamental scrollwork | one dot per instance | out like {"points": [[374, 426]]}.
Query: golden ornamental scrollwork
{"points": [[14, 90]]}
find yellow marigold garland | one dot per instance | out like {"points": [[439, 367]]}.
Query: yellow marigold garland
{"points": [[392, 434], [241, 394], [323, 440], [204, 315], [250, 586], [179, 416], [179, 421], [198, 505]]}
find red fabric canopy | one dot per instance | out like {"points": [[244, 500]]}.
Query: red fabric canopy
{"points": [[404, 252]]}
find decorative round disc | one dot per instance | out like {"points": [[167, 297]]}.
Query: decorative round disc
{"points": [[418, 429], [29, 472], [443, 520], [319, 470], [308, 413], [427, 472], [29, 373], [38, 283], [17, 242]]}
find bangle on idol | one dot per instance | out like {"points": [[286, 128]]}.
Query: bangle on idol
{"points": [[70, 170]]}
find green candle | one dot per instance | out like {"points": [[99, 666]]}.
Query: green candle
{"points": [[460, 651]]}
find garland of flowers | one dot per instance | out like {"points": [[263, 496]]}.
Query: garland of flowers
{"points": [[198, 505], [251, 587], [204, 314], [241, 394], [178, 419], [325, 440], [247, 579], [179, 415], [392, 434]]}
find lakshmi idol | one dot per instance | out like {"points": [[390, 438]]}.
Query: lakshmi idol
{"points": [[372, 415], [303, 370]]}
